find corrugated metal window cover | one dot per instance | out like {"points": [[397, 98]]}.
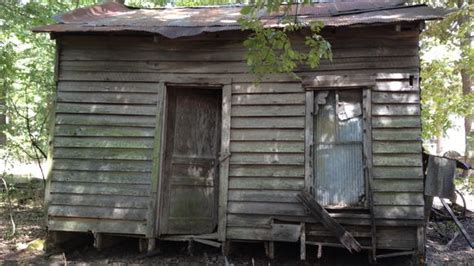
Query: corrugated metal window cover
{"points": [[338, 154]]}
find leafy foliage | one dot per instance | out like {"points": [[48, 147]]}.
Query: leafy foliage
{"points": [[270, 49]]}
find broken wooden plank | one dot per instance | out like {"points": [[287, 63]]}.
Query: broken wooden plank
{"points": [[318, 211]]}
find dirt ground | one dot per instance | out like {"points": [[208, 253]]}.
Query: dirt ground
{"points": [[30, 224]]}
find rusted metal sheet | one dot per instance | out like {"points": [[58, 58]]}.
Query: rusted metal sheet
{"points": [[180, 22]]}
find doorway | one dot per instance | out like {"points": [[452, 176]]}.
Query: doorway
{"points": [[191, 165]]}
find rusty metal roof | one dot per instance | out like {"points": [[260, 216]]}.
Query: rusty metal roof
{"points": [[179, 22]]}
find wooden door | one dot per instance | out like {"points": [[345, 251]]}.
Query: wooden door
{"points": [[192, 146]]}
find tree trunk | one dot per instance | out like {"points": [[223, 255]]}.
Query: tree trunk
{"points": [[466, 79]]}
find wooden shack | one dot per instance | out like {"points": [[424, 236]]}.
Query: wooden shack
{"points": [[161, 133]]}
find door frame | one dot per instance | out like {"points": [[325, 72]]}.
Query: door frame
{"points": [[155, 207]]}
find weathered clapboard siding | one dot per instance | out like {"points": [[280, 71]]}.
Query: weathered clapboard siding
{"points": [[103, 152], [107, 105], [397, 172]]}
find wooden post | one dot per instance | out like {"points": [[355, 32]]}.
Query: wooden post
{"points": [[224, 161], [270, 249], [308, 148], [303, 242]]}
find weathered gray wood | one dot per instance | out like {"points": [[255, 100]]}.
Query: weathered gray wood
{"points": [[395, 109], [267, 134], [268, 99], [401, 238], [267, 147], [105, 120], [396, 122], [280, 234], [341, 82], [398, 198], [75, 108], [224, 161], [251, 88], [459, 225], [412, 134], [399, 212], [309, 141], [101, 177], [397, 147], [103, 165], [94, 188], [267, 158], [398, 172], [139, 201], [263, 196], [267, 171], [266, 183], [397, 160], [266, 208], [103, 154], [100, 97], [386, 87], [97, 212], [106, 87], [267, 110], [318, 211], [152, 211], [391, 97], [280, 122], [76, 224], [102, 131], [71, 142]]}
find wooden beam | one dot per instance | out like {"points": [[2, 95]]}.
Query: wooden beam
{"points": [[458, 223], [152, 212], [340, 82], [308, 147], [318, 211], [224, 161]]}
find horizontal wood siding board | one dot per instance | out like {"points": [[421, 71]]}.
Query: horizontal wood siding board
{"points": [[270, 88], [409, 134], [285, 122], [398, 199], [100, 200], [294, 209], [96, 225], [266, 159], [105, 120], [103, 154], [124, 76], [97, 189], [117, 109], [112, 87], [266, 171], [270, 110], [267, 134], [150, 66], [97, 212], [395, 109], [161, 53], [109, 177], [100, 97], [268, 99], [400, 172], [267, 147], [395, 97], [397, 160], [284, 196], [398, 185], [397, 147], [266, 183], [402, 238], [396, 122], [102, 131], [399, 212], [103, 142], [102, 165]]}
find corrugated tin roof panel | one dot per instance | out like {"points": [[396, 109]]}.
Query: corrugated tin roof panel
{"points": [[178, 22]]}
